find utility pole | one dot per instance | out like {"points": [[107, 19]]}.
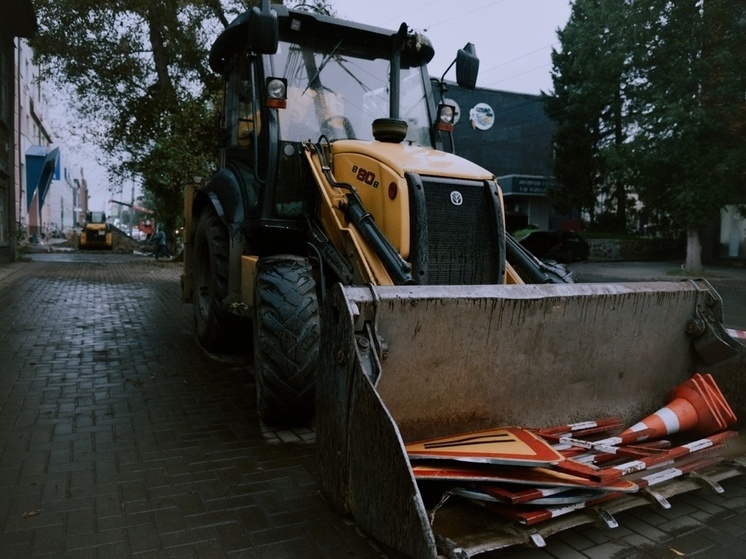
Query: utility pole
{"points": [[132, 205]]}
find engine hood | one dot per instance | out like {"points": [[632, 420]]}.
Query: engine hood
{"points": [[406, 158]]}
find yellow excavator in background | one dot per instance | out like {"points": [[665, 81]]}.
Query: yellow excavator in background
{"points": [[372, 275], [96, 232]]}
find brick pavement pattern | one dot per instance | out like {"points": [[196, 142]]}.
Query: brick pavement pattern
{"points": [[121, 437]]}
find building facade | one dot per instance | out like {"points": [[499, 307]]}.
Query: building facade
{"points": [[41, 192], [510, 135], [37, 159], [64, 206], [18, 21]]}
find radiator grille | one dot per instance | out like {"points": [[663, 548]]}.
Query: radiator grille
{"points": [[462, 239]]}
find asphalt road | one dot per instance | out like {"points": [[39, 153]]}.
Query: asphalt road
{"points": [[728, 281]]}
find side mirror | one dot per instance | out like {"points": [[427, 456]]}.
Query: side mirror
{"points": [[264, 29], [467, 66]]}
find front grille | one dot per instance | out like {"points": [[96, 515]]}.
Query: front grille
{"points": [[461, 242]]}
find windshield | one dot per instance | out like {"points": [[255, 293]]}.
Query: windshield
{"points": [[340, 95], [97, 217]]}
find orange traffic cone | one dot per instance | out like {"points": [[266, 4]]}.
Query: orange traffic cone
{"points": [[696, 404]]}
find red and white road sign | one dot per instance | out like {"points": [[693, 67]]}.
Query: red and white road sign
{"points": [[505, 445]]}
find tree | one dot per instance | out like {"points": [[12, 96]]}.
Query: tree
{"points": [[688, 155], [139, 76], [589, 76], [141, 84], [649, 95], [323, 7]]}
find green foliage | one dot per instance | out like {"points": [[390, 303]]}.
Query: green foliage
{"points": [[323, 7], [138, 70], [668, 159], [649, 98], [590, 74]]}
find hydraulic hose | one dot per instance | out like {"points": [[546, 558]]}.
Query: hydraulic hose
{"points": [[396, 266]]}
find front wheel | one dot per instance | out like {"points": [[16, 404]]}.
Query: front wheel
{"points": [[287, 333]]}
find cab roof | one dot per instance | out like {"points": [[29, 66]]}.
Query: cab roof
{"points": [[298, 26]]}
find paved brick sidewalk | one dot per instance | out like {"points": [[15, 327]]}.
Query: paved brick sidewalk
{"points": [[120, 437]]}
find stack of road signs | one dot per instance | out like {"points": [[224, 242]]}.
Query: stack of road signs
{"points": [[506, 446], [534, 475]]}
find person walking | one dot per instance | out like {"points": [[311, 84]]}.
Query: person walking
{"points": [[160, 244]]}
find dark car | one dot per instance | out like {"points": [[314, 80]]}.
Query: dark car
{"points": [[561, 246]]}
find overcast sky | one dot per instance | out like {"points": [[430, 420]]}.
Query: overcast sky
{"points": [[513, 38]]}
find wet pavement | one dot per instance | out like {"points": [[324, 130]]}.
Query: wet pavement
{"points": [[728, 280], [121, 437]]}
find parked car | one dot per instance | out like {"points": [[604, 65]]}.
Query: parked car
{"points": [[561, 246]]}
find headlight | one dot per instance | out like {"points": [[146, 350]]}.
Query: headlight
{"points": [[446, 116], [277, 93]]}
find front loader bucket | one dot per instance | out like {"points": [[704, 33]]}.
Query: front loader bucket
{"points": [[405, 364]]}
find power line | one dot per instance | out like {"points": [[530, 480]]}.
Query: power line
{"points": [[518, 58], [471, 13], [508, 78], [506, 62], [464, 14]]}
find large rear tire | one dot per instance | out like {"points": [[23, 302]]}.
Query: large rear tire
{"points": [[287, 334], [215, 328]]}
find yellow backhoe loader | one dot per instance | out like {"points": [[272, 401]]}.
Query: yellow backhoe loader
{"points": [[373, 276], [96, 232]]}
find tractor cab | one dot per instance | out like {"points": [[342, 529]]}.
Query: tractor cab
{"points": [[294, 77]]}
